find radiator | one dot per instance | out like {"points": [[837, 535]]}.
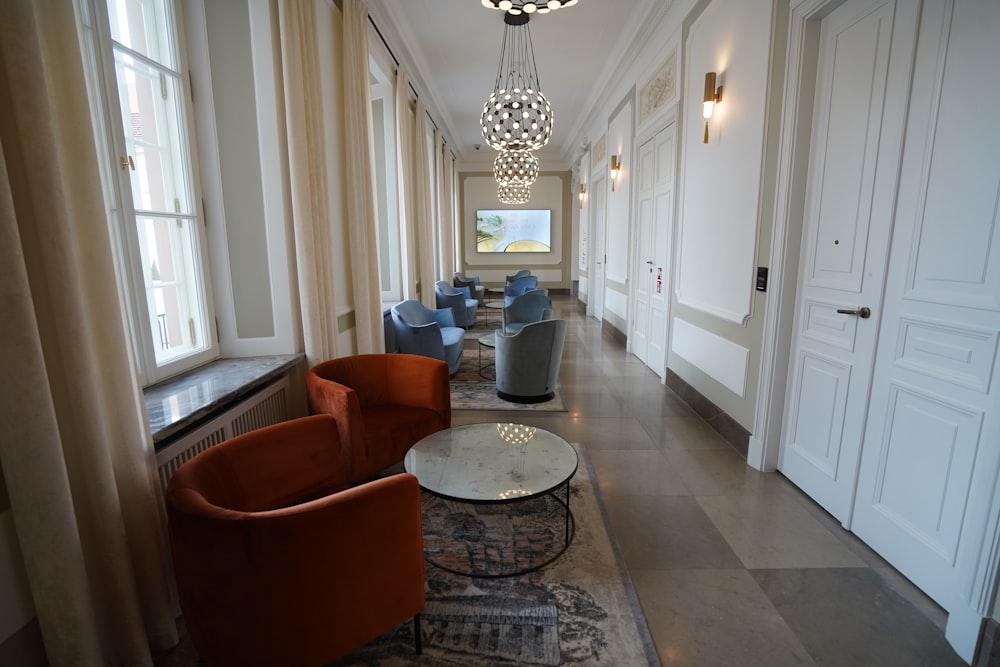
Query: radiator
{"points": [[268, 406]]}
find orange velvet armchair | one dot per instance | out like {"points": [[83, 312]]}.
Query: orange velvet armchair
{"points": [[384, 403], [278, 561]]}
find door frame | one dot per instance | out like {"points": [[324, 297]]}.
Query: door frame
{"points": [[965, 621]]}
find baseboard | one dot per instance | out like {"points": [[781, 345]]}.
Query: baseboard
{"points": [[730, 430], [611, 330], [989, 647]]}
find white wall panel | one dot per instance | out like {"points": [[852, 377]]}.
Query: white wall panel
{"points": [[719, 358], [719, 197]]}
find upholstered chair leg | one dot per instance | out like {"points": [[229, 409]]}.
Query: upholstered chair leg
{"points": [[418, 639]]}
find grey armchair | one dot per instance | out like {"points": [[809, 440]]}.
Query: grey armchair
{"points": [[518, 287], [527, 362], [476, 289], [459, 300], [520, 274], [428, 332], [532, 306]]}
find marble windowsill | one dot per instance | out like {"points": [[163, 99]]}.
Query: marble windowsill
{"points": [[175, 405]]}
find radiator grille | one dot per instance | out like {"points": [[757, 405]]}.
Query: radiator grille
{"points": [[266, 407]]}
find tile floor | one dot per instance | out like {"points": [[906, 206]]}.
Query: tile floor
{"points": [[732, 566]]}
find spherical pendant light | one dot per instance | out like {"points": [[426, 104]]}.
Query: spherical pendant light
{"points": [[513, 194], [515, 167]]}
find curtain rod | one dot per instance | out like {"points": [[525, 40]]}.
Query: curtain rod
{"points": [[396, 60]]}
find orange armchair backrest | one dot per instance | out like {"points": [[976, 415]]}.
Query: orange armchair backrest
{"points": [[273, 568], [383, 404]]}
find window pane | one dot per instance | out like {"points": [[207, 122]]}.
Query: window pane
{"points": [[173, 286], [141, 25], [151, 115]]}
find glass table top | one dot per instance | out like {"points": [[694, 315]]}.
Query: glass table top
{"points": [[491, 463]]}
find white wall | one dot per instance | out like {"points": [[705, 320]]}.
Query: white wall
{"points": [[478, 190]]}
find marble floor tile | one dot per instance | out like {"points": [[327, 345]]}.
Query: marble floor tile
{"points": [[719, 471], [636, 472], [715, 617], [851, 616], [667, 533], [775, 531], [684, 432]]}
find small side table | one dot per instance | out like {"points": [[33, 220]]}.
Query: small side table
{"points": [[490, 341]]}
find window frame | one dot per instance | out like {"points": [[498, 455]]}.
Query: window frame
{"points": [[123, 215]]}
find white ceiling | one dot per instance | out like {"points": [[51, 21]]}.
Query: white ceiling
{"points": [[452, 49]]}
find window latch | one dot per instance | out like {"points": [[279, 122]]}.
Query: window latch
{"points": [[126, 162]]}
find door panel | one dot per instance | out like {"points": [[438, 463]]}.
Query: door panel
{"points": [[845, 241], [927, 498], [643, 262], [650, 293]]}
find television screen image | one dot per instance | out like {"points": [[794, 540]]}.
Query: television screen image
{"points": [[514, 231]]}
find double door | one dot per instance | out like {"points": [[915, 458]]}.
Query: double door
{"points": [[892, 420]]}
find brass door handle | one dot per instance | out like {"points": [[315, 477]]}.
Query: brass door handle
{"points": [[126, 162], [864, 312]]}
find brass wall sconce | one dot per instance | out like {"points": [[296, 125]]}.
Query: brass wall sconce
{"points": [[616, 166], [713, 96], [583, 193]]}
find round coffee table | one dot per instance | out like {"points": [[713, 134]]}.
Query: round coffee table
{"points": [[496, 464]]}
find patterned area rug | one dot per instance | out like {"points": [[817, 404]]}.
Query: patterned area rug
{"points": [[474, 387], [579, 610]]}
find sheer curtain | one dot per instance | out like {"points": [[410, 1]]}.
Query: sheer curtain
{"points": [[75, 450], [360, 161], [423, 207], [308, 174], [447, 235], [404, 174]]}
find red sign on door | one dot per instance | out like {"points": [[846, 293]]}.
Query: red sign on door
{"points": [[659, 280]]}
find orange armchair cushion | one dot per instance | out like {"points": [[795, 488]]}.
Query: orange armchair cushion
{"points": [[383, 403], [265, 581]]}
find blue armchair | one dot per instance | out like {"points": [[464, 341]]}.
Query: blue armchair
{"points": [[518, 287], [459, 300], [532, 306], [476, 289], [527, 362], [428, 332], [520, 274]]}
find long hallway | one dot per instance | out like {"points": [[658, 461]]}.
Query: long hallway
{"points": [[731, 566]]}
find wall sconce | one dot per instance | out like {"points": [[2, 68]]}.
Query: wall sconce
{"points": [[583, 193], [712, 97], [616, 166]]}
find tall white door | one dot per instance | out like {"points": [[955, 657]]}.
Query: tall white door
{"points": [[861, 84], [927, 484], [648, 337], [642, 256], [598, 252]]}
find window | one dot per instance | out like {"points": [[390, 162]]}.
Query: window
{"points": [[141, 98], [384, 131]]}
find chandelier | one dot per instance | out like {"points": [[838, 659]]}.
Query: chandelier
{"points": [[517, 116], [527, 6], [513, 193], [515, 167]]}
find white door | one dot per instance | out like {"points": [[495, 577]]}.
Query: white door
{"points": [[595, 307], [862, 79], [648, 338], [928, 476], [642, 263]]}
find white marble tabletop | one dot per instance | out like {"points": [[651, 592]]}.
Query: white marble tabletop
{"points": [[491, 463]]}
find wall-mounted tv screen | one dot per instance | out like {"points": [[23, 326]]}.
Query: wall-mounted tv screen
{"points": [[514, 231]]}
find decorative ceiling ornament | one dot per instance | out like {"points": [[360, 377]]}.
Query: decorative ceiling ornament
{"points": [[513, 193], [515, 167], [516, 7], [517, 116]]}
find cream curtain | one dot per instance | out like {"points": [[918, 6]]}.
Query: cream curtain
{"points": [[75, 450], [308, 173], [449, 231], [404, 175], [423, 206], [360, 193]]}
